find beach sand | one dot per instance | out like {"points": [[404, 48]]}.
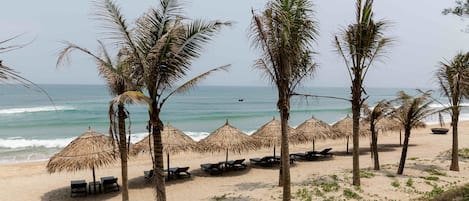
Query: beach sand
{"points": [[30, 181]]}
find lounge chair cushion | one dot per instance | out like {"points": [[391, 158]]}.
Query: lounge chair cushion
{"points": [[78, 187], [109, 184], [212, 168]]}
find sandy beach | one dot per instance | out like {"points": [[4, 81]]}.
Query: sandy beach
{"points": [[425, 171]]}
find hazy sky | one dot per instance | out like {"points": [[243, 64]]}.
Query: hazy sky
{"points": [[423, 38]]}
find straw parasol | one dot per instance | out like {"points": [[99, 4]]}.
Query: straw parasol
{"points": [[388, 124], [173, 139], [227, 138], [344, 129], [88, 151], [270, 134], [313, 129]]}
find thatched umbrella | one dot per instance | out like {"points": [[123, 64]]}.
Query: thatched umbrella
{"points": [[173, 139], [344, 129], [88, 151], [388, 124], [227, 138], [270, 134], [313, 129]]}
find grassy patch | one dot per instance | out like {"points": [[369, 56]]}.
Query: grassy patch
{"points": [[459, 193], [329, 186], [350, 194], [434, 192], [431, 178], [409, 183], [435, 172], [220, 197], [303, 194], [390, 175], [395, 184], [413, 158], [366, 174], [463, 153]]}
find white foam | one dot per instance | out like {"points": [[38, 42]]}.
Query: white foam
{"points": [[22, 143], [197, 136], [35, 109]]}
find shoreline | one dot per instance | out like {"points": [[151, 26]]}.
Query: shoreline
{"points": [[30, 181], [135, 138]]}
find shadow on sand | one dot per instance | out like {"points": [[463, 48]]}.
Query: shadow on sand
{"points": [[63, 194]]}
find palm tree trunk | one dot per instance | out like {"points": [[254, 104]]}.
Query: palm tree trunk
{"points": [[454, 152], [400, 170], [123, 151], [284, 106], [374, 147], [356, 105], [157, 127]]}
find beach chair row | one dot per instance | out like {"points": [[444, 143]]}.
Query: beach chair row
{"points": [[106, 184], [239, 164]]}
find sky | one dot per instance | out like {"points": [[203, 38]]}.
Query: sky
{"points": [[423, 37]]}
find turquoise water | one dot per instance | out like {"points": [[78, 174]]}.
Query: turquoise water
{"points": [[32, 128]]}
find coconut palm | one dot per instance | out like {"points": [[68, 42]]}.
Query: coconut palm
{"points": [[410, 112], [162, 46], [373, 116], [461, 9], [117, 76], [359, 45], [453, 79], [8, 74], [284, 33]]}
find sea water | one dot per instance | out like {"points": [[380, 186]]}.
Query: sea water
{"points": [[34, 128]]}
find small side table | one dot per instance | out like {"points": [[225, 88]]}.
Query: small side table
{"points": [[92, 185]]}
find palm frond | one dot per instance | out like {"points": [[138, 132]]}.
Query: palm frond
{"points": [[194, 81], [130, 97]]}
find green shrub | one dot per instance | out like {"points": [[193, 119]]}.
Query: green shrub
{"points": [[395, 184], [434, 192], [409, 182]]}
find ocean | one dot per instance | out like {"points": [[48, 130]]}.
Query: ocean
{"points": [[33, 129]]}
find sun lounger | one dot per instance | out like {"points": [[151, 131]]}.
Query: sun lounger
{"points": [[179, 172], [266, 161], [109, 184], [78, 187], [304, 156], [236, 164], [148, 175], [212, 168], [325, 152]]}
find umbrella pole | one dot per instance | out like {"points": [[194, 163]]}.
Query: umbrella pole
{"points": [[400, 138], [167, 157], [274, 150], [313, 145], [94, 181], [226, 160], [347, 143]]}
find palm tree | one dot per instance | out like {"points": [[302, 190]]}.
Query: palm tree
{"points": [[8, 74], [461, 9], [373, 116], [359, 45], [284, 32], [453, 78], [117, 76], [161, 49], [410, 112]]}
